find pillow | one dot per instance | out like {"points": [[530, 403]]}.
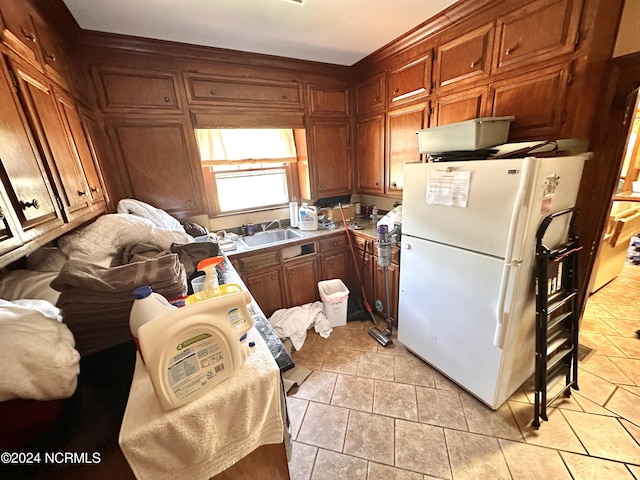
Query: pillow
{"points": [[28, 284]]}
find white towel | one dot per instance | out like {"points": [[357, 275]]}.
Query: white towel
{"points": [[294, 322], [207, 436], [36, 351]]}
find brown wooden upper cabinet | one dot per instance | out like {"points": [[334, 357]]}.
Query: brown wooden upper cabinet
{"points": [[370, 95], [134, 91], [459, 106], [9, 231], [536, 99], [28, 189], [328, 101], [410, 80], [402, 142], [27, 34], [158, 163], [370, 154], [539, 31], [329, 153], [219, 90], [466, 58]]}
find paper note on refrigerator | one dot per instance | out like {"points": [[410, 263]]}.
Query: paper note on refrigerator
{"points": [[448, 188]]}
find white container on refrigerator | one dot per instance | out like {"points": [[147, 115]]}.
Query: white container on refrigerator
{"points": [[467, 300]]}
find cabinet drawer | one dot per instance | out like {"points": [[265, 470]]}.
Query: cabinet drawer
{"points": [[359, 242], [329, 101], [228, 91], [337, 242], [122, 90], [252, 262]]}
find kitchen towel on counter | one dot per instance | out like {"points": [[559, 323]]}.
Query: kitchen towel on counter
{"points": [[207, 436], [294, 322]]}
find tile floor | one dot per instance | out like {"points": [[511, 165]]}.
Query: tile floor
{"points": [[370, 413]]}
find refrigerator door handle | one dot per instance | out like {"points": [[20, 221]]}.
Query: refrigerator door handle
{"points": [[506, 293], [518, 207]]}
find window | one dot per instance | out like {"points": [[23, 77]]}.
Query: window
{"points": [[248, 169]]}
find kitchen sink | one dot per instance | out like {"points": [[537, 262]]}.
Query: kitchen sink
{"points": [[261, 239]]}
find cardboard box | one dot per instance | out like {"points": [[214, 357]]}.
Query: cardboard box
{"points": [[334, 213]]}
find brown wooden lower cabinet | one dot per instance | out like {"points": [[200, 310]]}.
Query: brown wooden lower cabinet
{"points": [[301, 279], [268, 289]]}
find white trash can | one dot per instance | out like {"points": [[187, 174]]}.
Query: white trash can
{"points": [[335, 301]]}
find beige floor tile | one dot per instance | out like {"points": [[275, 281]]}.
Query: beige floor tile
{"points": [[634, 430], [635, 471], [604, 437], [595, 388], [597, 325], [604, 368], [396, 348], [370, 436], [411, 369], [395, 400], [302, 459], [422, 448], [337, 338], [475, 457], [555, 433], [361, 340], [630, 367], [622, 311], [358, 325], [311, 356], [441, 408], [376, 365], [589, 406], [624, 327], [533, 462], [341, 360], [443, 383], [385, 472], [630, 346], [481, 419], [583, 467], [296, 408], [317, 387], [596, 310], [332, 466], [625, 404], [324, 426], [631, 388], [601, 344], [353, 392]]}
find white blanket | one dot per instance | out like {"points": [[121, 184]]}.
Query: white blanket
{"points": [[37, 353], [159, 217], [200, 439], [294, 322]]}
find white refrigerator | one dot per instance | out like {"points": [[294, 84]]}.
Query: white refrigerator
{"points": [[467, 287]]}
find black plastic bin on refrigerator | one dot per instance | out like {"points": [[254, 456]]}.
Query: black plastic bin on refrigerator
{"points": [[557, 317]]}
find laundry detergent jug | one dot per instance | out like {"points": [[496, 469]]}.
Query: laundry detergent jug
{"points": [[308, 217], [190, 350]]}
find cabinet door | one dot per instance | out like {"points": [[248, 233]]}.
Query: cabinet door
{"points": [[329, 101], [302, 282], [459, 106], [329, 158], [18, 30], [83, 147], [370, 95], [62, 158], [159, 163], [541, 30], [466, 57], [267, 289], [410, 80], [9, 230], [53, 56], [123, 90], [370, 155], [365, 263], [336, 265], [537, 100], [402, 143], [380, 289], [27, 186]]}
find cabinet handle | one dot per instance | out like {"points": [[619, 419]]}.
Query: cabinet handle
{"points": [[29, 35], [475, 63], [212, 91], [317, 104], [167, 99], [377, 183], [284, 97], [1, 214], [322, 187], [273, 277], [94, 189], [377, 99], [394, 184], [33, 203], [50, 56], [81, 193], [510, 50], [395, 92]]}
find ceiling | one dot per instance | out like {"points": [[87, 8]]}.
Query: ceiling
{"points": [[340, 32]]}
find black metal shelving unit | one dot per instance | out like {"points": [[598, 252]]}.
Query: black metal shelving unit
{"points": [[557, 316]]}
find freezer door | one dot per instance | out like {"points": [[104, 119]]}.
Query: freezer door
{"points": [[447, 312], [484, 223]]}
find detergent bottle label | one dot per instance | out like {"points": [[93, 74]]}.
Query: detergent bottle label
{"points": [[200, 360], [236, 318]]}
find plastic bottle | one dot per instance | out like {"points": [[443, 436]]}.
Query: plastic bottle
{"points": [[147, 306], [308, 217], [207, 286], [192, 349]]}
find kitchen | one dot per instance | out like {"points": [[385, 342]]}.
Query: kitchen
{"points": [[141, 100]]}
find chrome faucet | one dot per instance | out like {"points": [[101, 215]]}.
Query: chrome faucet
{"points": [[265, 225]]}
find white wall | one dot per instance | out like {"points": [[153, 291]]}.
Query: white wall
{"points": [[628, 40]]}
